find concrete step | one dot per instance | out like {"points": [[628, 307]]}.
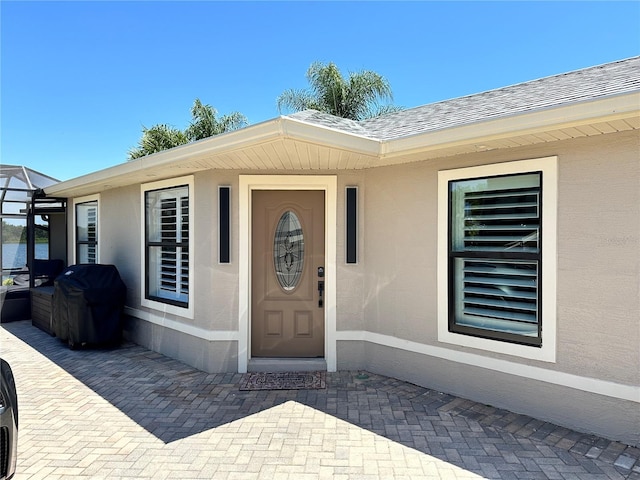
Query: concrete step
{"points": [[275, 365]]}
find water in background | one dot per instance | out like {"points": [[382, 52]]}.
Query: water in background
{"points": [[14, 255]]}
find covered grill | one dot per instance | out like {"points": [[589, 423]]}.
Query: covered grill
{"points": [[88, 304]]}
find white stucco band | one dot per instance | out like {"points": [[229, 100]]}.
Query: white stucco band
{"points": [[201, 333], [600, 387]]}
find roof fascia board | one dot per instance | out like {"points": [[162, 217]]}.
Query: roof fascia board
{"points": [[601, 110], [323, 135], [280, 127], [231, 140]]}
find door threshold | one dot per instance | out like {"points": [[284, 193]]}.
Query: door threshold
{"points": [[277, 365]]}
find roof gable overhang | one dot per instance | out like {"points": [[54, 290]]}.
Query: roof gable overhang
{"points": [[588, 118], [288, 144]]}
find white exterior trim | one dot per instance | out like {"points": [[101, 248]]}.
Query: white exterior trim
{"points": [[79, 201], [155, 305], [164, 322], [248, 183], [549, 168], [563, 116], [374, 152], [600, 387]]}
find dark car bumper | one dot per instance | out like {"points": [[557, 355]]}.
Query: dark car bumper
{"points": [[8, 422]]}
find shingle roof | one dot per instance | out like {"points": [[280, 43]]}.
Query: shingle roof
{"points": [[331, 121], [610, 79]]}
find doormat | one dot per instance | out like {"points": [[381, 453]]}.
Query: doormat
{"points": [[283, 381]]}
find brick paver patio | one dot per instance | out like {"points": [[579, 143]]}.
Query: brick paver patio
{"points": [[132, 413]]}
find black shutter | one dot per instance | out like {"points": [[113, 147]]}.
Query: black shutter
{"points": [[352, 224], [224, 232]]}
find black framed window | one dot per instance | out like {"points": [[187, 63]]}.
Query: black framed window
{"points": [[87, 232], [167, 245], [495, 257]]}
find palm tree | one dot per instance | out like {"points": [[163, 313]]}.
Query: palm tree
{"points": [[157, 138], [203, 124], [357, 97]]}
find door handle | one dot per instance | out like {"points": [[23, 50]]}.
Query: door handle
{"points": [[320, 292]]}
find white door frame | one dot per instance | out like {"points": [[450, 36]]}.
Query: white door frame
{"points": [[248, 183]]}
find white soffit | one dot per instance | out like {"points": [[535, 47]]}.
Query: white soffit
{"points": [[263, 146]]}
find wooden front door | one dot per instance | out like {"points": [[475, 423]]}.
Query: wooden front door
{"points": [[287, 277]]}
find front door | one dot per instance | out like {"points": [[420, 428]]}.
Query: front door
{"points": [[287, 276]]}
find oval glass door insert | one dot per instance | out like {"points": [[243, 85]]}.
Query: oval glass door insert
{"points": [[288, 250]]}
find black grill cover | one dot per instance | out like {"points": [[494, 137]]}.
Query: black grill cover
{"points": [[88, 304]]}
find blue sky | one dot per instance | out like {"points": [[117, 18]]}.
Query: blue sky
{"points": [[80, 79]]}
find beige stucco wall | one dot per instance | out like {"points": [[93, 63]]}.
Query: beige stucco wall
{"points": [[351, 278], [216, 285], [216, 291], [598, 288], [119, 236], [400, 238], [599, 260], [598, 238], [392, 290], [120, 243]]}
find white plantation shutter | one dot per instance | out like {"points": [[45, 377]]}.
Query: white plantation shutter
{"points": [[92, 231], [87, 232], [168, 244], [169, 277], [184, 254], [495, 255], [500, 295], [502, 220]]}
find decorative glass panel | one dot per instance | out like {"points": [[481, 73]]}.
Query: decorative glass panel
{"points": [[288, 251]]}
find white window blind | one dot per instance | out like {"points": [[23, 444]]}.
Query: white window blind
{"points": [[498, 295], [92, 229], [495, 255], [87, 232], [499, 220], [168, 244]]}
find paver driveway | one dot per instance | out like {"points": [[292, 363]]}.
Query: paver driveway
{"points": [[132, 413]]}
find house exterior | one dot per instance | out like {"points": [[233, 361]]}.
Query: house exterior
{"points": [[486, 246]]}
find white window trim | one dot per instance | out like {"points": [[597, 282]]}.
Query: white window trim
{"points": [[79, 201], [186, 312], [549, 168]]}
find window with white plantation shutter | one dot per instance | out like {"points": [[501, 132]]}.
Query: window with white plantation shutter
{"points": [[87, 232], [495, 256], [167, 245]]}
